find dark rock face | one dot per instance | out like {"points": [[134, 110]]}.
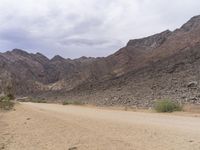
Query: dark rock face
{"points": [[165, 65], [150, 42], [192, 24]]}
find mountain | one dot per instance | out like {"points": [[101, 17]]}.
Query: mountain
{"points": [[164, 65], [31, 73]]}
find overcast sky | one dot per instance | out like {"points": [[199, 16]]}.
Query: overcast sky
{"points": [[73, 28]]}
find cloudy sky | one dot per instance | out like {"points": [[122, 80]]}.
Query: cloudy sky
{"points": [[73, 28]]}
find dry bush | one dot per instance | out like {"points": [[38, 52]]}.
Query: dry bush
{"points": [[6, 103], [194, 108], [167, 106], [67, 102]]}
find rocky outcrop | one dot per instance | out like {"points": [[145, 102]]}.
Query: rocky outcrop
{"points": [[150, 42]]}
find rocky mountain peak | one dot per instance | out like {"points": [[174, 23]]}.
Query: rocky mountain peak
{"points": [[84, 59], [41, 56], [57, 58], [151, 41], [19, 52], [192, 24]]}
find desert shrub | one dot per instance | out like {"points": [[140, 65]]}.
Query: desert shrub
{"points": [[78, 103], [11, 96], [39, 101], [166, 106], [35, 100], [67, 102], [194, 108], [6, 103]]}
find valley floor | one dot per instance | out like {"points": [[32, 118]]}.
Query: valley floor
{"points": [[35, 126]]}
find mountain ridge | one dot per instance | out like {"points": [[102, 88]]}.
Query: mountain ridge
{"points": [[134, 75]]}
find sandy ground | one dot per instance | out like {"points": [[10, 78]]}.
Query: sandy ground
{"points": [[55, 127]]}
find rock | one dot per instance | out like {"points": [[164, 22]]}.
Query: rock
{"points": [[73, 148], [193, 100], [192, 84]]}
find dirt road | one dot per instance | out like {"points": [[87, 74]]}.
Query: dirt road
{"points": [[55, 127]]}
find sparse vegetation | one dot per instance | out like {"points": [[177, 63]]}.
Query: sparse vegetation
{"points": [[67, 102], [194, 108], [167, 106], [11, 96], [78, 103], [6, 103], [38, 101]]}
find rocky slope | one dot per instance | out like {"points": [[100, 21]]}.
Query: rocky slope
{"points": [[30, 73], [165, 65]]}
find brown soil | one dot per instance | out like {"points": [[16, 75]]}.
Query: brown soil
{"points": [[55, 127]]}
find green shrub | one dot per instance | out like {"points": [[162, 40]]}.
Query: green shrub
{"points": [[66, 102], [167, 106], [11, 96], [6, 103], [78, 103], [37, 100]]}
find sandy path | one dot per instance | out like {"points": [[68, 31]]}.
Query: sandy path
{"points": [[55, 127]]}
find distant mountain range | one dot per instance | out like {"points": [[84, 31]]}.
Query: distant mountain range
{"points": [[162, 66]]}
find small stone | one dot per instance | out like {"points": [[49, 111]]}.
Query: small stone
{"points": [[73, 148], [192, 84]]}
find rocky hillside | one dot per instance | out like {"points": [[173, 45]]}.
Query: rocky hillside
{"points": [[165, 65], [31, 73]]}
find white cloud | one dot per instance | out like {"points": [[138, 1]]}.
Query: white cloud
{"points": [[94, 27]]}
